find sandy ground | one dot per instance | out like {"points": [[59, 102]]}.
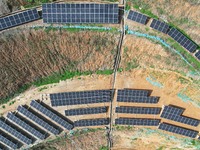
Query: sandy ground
{"points": [[135, 79]]}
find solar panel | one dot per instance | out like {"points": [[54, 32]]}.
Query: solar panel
{"points": [[83, 97], [15, 133], [182, 40], [51, 115], [92, 122], [80, 13], [18, 19], [173, 113], [178, 130], [137, 121], [8, 142], [25, 126], [138, 17], [136, 96], [199, 137], [160, 26], [138, 99], [197, 55], [84, 111], [37, 120], [132, 93], [138, 110]]}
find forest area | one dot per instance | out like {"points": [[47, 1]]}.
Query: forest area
{"points": [[30, 55]]}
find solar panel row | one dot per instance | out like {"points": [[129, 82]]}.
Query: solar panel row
{"points": [[85, 97], [160, 26], [173, 109], [18, 19], [182, 40], [92, 122], [137, 121], [178, 130], [51, 115], [37, 120], [8, 142], [138, 110], [80, 13], [138, 17], [165, 28], [197, 55], [80, 94], [25, 126], [171, 113], [138, 99], [15, 133], [83, 111], [132, 93]]}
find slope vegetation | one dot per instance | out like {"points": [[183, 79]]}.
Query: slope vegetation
{"points": [[30, 55]]}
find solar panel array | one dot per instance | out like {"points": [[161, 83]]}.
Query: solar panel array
{"points": [[173, 113], [160, 26], [138, 17], [15, 133], [137, 121], [37, 120], [178, 130], [92, 122], [197, 55], [25, 126], [8, 142], [83, 97], [51, 115], [84, 111], [18, 19], [135, 96], [182, 40], [80, 13], [138, 110]]}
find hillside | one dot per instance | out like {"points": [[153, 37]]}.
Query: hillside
{"points": [[183, 14], [39, 61], [24, 59]]}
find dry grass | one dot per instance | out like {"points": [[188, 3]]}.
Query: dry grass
{"points": [[33, 54]]}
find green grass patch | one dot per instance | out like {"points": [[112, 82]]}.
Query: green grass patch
{"points": [[11, 103], [131, 65], [111, 0], [145, 11], [127, 7], [104, 148], [34, 3], [57, 77], [42, 88], [104, 72], [195, 143], [161, 148], [125, 50]]}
